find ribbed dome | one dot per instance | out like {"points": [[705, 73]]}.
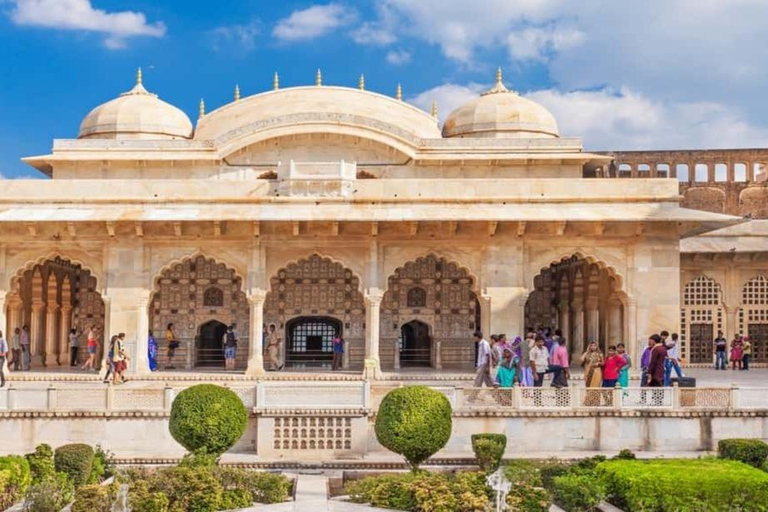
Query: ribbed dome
{"points": [[501, 113], [136, 114]]}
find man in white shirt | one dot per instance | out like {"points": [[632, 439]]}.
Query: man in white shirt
{"points": [[483, 361]]}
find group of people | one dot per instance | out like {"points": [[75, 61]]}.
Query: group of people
{"points": [[526, 362], [229, 344], [740, 353], [16, 350]]}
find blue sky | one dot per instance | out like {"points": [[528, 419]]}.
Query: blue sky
{"points": [[664, 74]]}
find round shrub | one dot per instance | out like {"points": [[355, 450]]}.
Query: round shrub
{"points": [[208, 418], [41, 463], [578, 492], [625, 455], [489, 449], [749, 451], [414, 421], [76, 461], [95, 498]]}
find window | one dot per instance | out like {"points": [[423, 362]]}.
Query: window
{"points": [[683, 173], [662, 170], [313, 335], [721, 172], [740, 172], [701, 173], [213, 297], [417, 298]]}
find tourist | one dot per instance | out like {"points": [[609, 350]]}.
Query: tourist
{"points": [[624, 373], [16, 349], [3, 356], [673, 362], [229, 343], [26, 356], [525, 360], [656, 366], [152, 351], [592, 361], [119, 359], [92, 345], [746, 353], [611, 367], [539, 361], [504, 343], [74, 346], [736, 352], [172, 343], [560, 358], [338, 352], [496, 355], [273, 348], [109, 359], [483, 375], [506, 376], [721, 345]]}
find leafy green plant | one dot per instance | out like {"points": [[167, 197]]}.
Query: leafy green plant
{"points": [[263, 487], [76, 461], [194, 489], [102, 467], [141, 499], [580, 492], [95, 498], [415, 422], [51, 494], [625, 455], [749, 451], [523, 472], [489, 450], [526, 498], [208, 417], [41, 463], [15, 479], [235, 498]]}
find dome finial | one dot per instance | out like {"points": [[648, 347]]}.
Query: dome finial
{"points": [[138, 77], [237, 92], [434, 109], [361, 82], [499, 77], [201, 113], [499, 85], [399, 93], [319, 78], [275, 82]]}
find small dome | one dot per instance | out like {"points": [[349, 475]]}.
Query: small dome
{"points": [[136, 114], [501, 113]]}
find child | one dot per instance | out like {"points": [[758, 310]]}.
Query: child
{"points": [[611, 367], [736, 353]]}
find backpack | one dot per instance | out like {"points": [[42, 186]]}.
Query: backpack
{"points": [[231, 341]]}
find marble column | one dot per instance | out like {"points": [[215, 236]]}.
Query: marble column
{"points": [[564, 324], [65, 324], [36, 331], [15, 316], [615, 333], [140, 364], [256, 333], [51, 334], [578, 328], [593, 323], [485, 314], [372, 365], [630, 327], [731, 328], [4, 327]]}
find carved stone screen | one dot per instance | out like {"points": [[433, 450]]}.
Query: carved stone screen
{"points": [[318, 287], [450, 308], [701, 311], [753, 316], [190, 294]]}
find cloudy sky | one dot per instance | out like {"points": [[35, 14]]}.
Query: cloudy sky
{"points": [[657, 74]]}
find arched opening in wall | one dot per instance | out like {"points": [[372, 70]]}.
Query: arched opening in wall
{"points": [[624, 171], [311, 288], [683, 173], [740, 172], [310, 341], [643, 171], [50, 297], [662, 170], [701, 173], [721, 173], [701, 317], [583, 298], [753, 316], [415, 344], [759, 172], [440, 295], [199, 295]]}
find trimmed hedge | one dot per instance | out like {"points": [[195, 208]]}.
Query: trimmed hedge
{"points": [[749, 451], [208, 418], [15, 479], [703, 484], [578, 492], [489, 450], [414, 421], [76, 461]]}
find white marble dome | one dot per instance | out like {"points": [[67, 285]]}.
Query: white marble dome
{"points": [[501, 113], [136, 114]]}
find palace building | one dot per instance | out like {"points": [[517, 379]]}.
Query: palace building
{"points": [[324, 210]]}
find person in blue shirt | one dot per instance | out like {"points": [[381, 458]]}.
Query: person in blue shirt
{"points": [[338, 352]]}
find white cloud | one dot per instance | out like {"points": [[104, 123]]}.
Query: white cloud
{"points": [[538, 44], [81, 15], [374, 34], [237, 37], [398, 57], [313, 22]]}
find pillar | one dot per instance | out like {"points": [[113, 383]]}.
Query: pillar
{"points": [[485, 315], [578, 328], [3, 327], [15, 316], [51, 334], [373, 298], [564, 324], [593, 321], [731, 327], [140, 364], [36, 330], [105, 335], [65, 325], [615, 333], [630, 327], [256, 333]]}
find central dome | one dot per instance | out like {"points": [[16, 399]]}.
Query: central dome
{"points": [[501, 113]]}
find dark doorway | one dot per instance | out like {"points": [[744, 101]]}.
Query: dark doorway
{"points": [[700, 343], [415, 344], [758, 336], [310, 341], [209, 349]]}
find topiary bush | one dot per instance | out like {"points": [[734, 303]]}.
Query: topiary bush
{"points": [[625, 455], [193, 489], [414, 421], [489, 450], [263, 487], [41, 463], [95, 498], [51, 494], [580, 492], [74, 460], [749, 451], [141, 499], [208, 418], [15, 479]]}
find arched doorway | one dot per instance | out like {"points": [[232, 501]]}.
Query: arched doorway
{"points": [[310, 341], [209, 351], [415, 344]]}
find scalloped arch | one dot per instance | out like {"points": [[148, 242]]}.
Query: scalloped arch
{"points": [[30, 264], [612, 272], [465, 269]]}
